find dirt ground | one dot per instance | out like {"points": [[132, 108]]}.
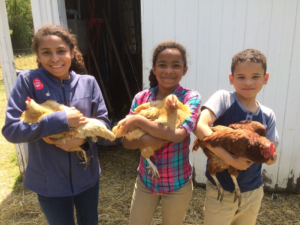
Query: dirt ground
{"points": [[116, 186]]}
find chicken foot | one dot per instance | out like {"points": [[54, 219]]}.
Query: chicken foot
{"points": [[236, 190], [220, 189], [82, 156], [152, 169]]}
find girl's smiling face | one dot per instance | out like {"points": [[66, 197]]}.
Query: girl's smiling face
{"points": [[169, 68], [55, 56]]}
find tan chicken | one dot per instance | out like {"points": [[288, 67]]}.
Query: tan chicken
{"points": [[93, 129], [240, 139], [169, 112]]}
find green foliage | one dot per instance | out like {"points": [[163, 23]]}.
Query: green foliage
{"points": [[20, 22], [18, 185]]}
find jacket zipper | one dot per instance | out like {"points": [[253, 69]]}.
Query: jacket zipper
{"points": [[69, 154]]}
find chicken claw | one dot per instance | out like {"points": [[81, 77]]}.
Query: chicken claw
{"points": [[220, 189], [152, 169], [82, 156], [237, 190]]}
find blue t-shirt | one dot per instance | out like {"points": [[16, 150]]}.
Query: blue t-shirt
{"points": [[228, 110]]}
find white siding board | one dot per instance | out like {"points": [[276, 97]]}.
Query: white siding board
{"points": [[227, 31], [192, 39], [263, 34], [251, 32], [48, 11], [199, 159], [181, 26], [169, 18], [203, 49], [290, 137], [9, 76], [214, 44], [147, 39]]}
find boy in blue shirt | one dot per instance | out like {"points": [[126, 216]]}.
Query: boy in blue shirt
{"points": [[248, 75]]}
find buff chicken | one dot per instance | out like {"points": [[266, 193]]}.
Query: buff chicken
{"points": [[240, 139], [169, 112], [93, 129]]}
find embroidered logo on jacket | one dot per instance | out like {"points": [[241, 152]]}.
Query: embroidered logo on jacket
{"points": [[38, 84]]}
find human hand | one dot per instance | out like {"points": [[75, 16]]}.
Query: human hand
{"points": [[240, 163], [68, 145], [75, 118], [131, 123]]}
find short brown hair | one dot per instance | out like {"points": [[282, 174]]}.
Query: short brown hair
{"points": [[77, 63], [249, 55]]}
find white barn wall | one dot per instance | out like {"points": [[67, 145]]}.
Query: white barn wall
{"points": [[212, 32], [9, 76]]}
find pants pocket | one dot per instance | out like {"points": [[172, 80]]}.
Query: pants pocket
{"points": [[212, 205]]}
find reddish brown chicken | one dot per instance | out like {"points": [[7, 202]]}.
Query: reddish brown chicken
{"points": [[240, 139]]}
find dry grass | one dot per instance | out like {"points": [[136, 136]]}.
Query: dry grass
{"points": [[25, 62], [20, 206]]}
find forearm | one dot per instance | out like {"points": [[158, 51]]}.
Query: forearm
{"points": [[222, 154], [144, 141], [162, 132]]}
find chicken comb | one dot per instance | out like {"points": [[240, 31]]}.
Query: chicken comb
{"points": [[29, 100], [272, 148]]}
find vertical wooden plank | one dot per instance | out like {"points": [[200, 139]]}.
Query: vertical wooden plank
{"points": [[288, 97], [147, 42], [214, 44], [181, 23], [191, 44], [227, 32], [263, 33], [204, 12], [9, 76], [253, 11], [169, 18], [48, 11]]}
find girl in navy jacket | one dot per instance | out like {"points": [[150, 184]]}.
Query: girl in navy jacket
{"points": [[53, 171]]}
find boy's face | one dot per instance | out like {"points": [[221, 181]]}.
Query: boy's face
{"points": [[248, 79]]}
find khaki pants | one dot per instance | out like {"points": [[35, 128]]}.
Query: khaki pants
{"points": [[174, 204], [227, 212]]}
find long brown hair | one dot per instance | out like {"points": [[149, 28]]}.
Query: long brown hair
{"points": [[77, 63], [160, 47]]}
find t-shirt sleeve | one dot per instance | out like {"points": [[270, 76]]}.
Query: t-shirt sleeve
{"points": [[272, 133], [193, 100], [218, 102]]}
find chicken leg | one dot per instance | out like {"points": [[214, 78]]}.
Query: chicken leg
{"points": [[236, 190], [220, 189], [152, 169]]}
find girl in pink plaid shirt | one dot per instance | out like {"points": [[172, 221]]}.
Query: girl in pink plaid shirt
{"points": [[174, 188]]}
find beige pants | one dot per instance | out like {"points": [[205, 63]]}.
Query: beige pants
{"points": [[174, 204], [227, 212]]}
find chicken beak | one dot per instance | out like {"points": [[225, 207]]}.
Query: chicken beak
{"points": [[174, 102]]}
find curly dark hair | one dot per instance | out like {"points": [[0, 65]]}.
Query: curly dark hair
{"points": [[160, 47], [77, 63], [249, 55]]}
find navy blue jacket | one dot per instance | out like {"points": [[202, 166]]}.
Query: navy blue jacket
{"points": [[51, 171]]}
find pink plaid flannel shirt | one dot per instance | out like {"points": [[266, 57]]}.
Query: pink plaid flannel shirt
{"points": [[172, 160]]}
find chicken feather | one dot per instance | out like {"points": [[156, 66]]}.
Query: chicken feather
{"points": [[93, 129], [240, 139], [169, 112]]}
